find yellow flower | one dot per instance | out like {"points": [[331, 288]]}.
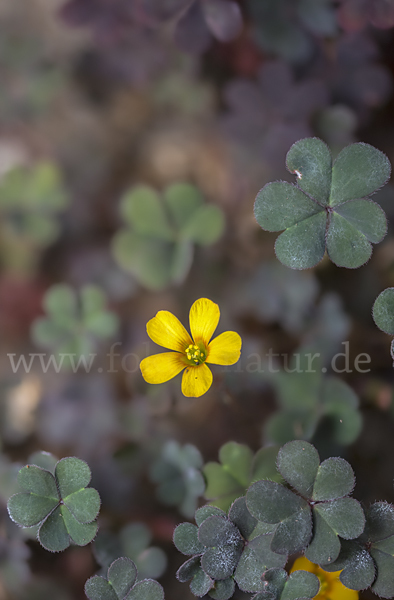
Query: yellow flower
{"points": [[330, 586], [190, 354]]}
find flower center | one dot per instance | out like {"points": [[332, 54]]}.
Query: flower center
{"points": [[196, 354]]}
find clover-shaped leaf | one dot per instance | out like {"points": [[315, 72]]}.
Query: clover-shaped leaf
{"points": [[60, 503], [225, 549], [321, 499], [157, 244], [369, 560], [281, 586], [271, 502], [73, 324], [383, 313], [133, 541], [255, 559], [238, 468], [31, 199], [328, 209], [120, 584], [312, 403], [177, 473], [356, 565]]}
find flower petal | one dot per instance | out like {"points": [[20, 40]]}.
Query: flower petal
{"points": [[204, 318], [303, 564], [196, 381], [167, 331], [225, 349], [159, 368], [340, 592]]}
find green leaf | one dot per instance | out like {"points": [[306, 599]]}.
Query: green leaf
{"points": [[237, 460], [302, 246], [280, 205], [300, 584], [53, 534], [143, 209], [84, 504], [206, 226], [366, 216], [346, 245], [60, 300], [325, 545], [358, 171], [151, 563], [272, 503], [27, 509], [189, 569], [182, 200], [97, 588], [293, 534], [37, 481], [223, 589], [146, 590], [228, 481], [379, 522], [186, 539], [220, 562], [383, 311], [334, 479], [135, 538], [102, 325], [72, 474], [264, 464], [208, 511], [256, 558], [345, 516], [93, 300], [285, 426], [122, 575], [221, 487], [201, 583], [80, 533], [310, 160], [299, 390], [217, 531], [340, 406], [45, 460], [182, 260], [241, 517], [147, 259], [298, 463], [274, 582], [383, 585], [356, 565]]}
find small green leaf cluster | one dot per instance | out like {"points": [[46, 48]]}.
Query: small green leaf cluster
{"points": [[329, 208], [311, 402], [133, 541], [224, 550], [73, 323], [237, 469], [121, 584], [157, 244], [59, 502], [383, 313], [31, 199], [177, 473], [311, 512]]}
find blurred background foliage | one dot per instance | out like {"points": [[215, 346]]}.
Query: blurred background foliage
{"points": [[134, 137]]}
